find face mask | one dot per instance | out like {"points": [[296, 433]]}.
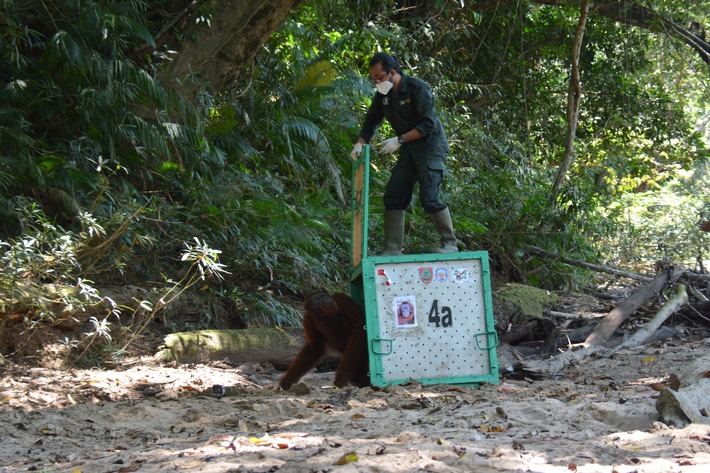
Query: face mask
{"points": [[384, 87]]}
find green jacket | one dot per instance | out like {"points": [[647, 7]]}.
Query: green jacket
{"points": [[410, 106]]}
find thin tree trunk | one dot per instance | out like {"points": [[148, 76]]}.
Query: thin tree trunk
{"points": [[574, 98]]}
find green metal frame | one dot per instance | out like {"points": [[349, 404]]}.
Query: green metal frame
{"points": [[380, 347]]}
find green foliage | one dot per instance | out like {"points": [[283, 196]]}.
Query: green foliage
{"points": [[77, 110], [41, 288], [38, 278], [662, 225]]}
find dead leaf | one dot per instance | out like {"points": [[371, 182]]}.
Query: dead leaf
{"points": [[357, 416], [347, 458], [497, 452], [132, 467], [491, 428], [292, 435], [189, 465], [508, 388], [48, 431], [265, 440]]}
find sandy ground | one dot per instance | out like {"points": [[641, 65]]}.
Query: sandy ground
{"points": [[598, 416]]}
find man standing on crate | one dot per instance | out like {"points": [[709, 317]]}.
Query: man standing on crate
{"points": [[408, 105]]}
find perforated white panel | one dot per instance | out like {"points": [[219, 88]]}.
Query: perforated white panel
{"points": [[431, 320]]}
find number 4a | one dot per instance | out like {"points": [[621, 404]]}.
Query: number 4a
{"points": [[445, 320]]}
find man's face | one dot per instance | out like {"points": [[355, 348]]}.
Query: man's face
{"points": [[378, 74]]}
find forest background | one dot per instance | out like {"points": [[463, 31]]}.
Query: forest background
{"points": [[136, 153]]}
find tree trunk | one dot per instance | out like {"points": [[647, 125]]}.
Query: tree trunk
{"points": [[220, 45], [574, 98]]}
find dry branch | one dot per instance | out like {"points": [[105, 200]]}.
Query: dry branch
{"points": [[565, 315], [694, 291], [594, 267], [691, 276]]}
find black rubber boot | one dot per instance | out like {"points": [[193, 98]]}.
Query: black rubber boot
{"points": [[394, 232], [442, 221]]}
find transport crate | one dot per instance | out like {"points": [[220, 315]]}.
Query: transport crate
{"points": [[429, 316]]}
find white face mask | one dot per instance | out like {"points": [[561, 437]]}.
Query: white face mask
{"points": [[384, 87]]}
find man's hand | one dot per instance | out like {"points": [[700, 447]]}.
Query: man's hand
{"points": [[390, 145], [355, 153]]}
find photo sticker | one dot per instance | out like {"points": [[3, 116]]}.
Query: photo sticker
{"points": [[405, 311]]}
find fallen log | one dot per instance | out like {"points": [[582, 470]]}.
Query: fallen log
{"points": [[602, 332], [648, 329], [691, 276], [259, 345], [549, 367]]}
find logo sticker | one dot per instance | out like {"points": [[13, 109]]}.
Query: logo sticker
{"points": [[426, 274], [461, 275], [441, 275]]}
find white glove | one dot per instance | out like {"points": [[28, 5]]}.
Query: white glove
{"points": [[390, 145], [355, 153]]}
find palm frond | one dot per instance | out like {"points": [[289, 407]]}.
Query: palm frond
{"points": [[319, 74], [303, 129], [63, 50], [124, 30]]}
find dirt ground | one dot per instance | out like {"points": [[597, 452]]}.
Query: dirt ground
{"points": [[596, 416]]}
